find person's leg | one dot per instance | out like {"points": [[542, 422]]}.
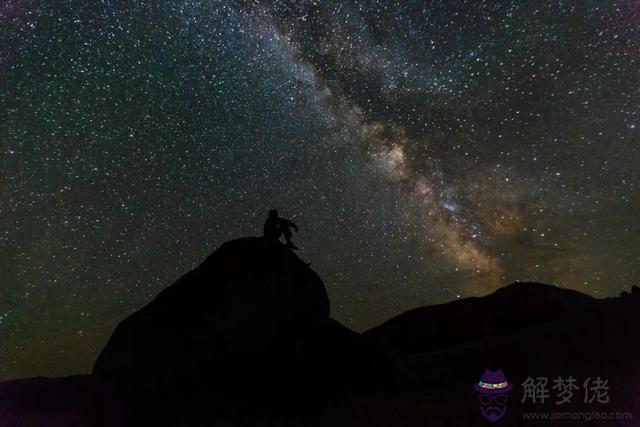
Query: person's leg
{"points": [[287, 236]]}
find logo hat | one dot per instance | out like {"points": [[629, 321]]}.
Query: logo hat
{"points": [[493, 382]]}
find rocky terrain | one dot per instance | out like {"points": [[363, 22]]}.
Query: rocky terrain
{"points": [[246, 339]]}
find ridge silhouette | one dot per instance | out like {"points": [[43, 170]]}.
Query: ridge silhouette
{"points": [[246, 339]]}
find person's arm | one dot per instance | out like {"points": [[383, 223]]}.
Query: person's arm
{"points": [[290, 224]]}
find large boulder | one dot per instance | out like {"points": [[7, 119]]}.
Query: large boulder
{"points": [[247, 329]]}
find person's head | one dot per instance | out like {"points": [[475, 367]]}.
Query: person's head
{"points": [[273, 213]]}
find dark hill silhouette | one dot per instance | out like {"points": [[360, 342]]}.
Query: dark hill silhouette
{"points": [[50, 402], [247, 331], [528, 330], [245, 339], [509, 309]]}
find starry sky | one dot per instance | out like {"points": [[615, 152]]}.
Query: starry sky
{"points": [[428, 150]]}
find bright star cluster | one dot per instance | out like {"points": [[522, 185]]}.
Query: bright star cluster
{"points": [[428, 151]]}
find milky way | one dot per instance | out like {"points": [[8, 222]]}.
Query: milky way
{"points": [[428, 150]]}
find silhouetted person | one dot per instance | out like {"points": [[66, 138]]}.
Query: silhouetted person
{"points": [[275, 226]]}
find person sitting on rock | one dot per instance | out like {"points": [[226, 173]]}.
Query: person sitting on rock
{"points": [[275, 226]]}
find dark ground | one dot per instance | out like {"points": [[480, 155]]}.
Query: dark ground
{"points": [[246, 339]]}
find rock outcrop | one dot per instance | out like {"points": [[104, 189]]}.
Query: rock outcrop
{"points": [[248, 328]]}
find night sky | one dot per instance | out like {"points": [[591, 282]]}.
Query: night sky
{"points": [[428, 150]]}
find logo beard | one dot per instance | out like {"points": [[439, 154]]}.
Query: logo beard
{"points": [[493, 413]]}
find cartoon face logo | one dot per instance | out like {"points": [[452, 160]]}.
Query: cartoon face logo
{"points": [[493, 389]]}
